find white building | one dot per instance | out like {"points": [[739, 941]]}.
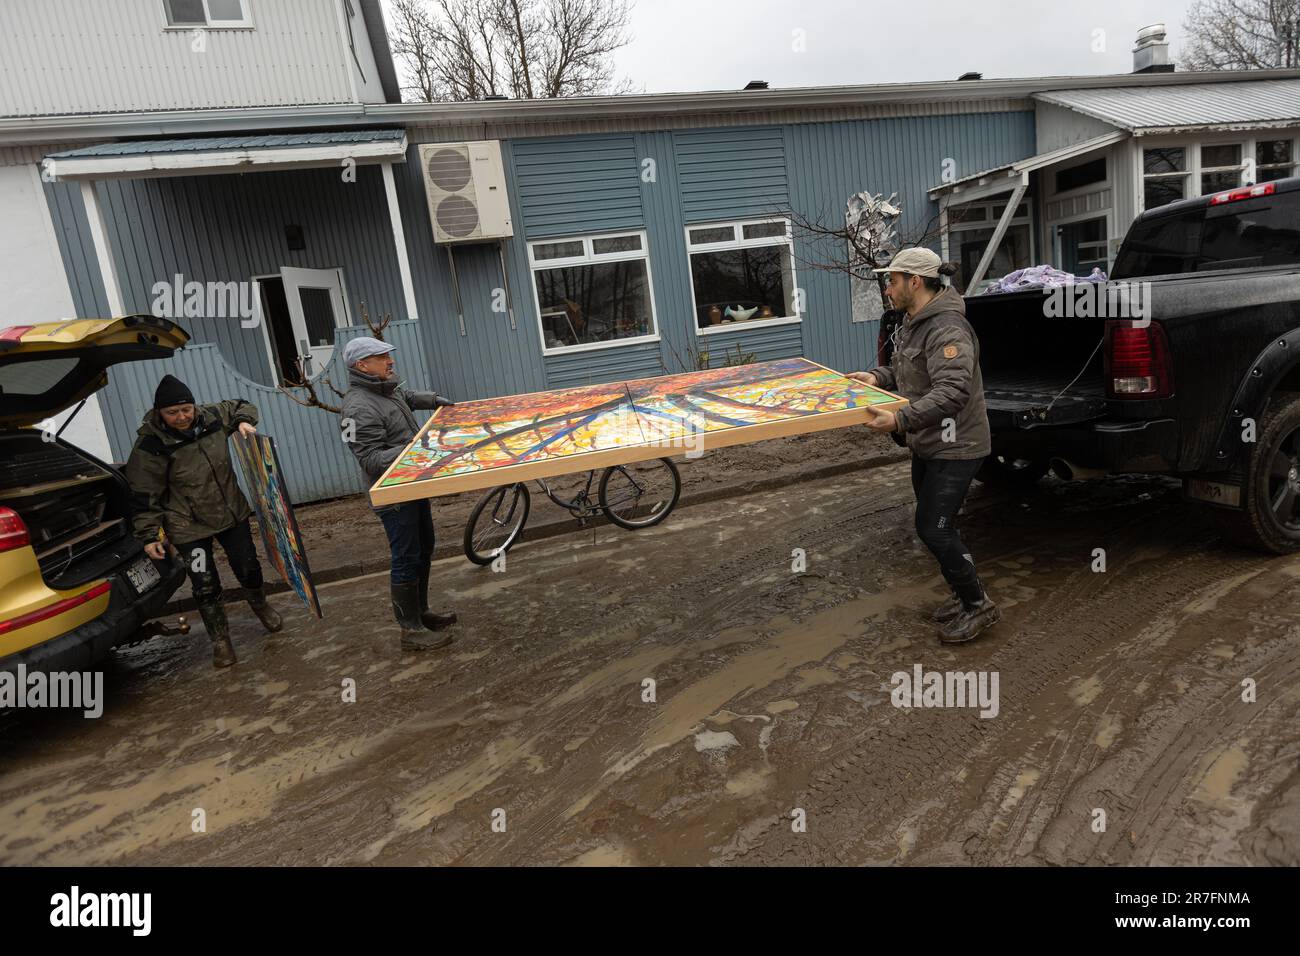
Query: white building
{"points": [[1105, 154], [73, 59]]}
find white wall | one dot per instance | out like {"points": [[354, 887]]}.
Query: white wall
{"points": [[1056, 127], [369, 87], [91, 56], [33, 285]]}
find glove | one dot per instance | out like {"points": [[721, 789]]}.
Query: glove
{"points": [[440, 402]]}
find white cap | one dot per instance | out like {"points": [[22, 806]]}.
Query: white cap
{"points": [[915, 261]]}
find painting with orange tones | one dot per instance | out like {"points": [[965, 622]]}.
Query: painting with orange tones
{"points": [[487, 443]]}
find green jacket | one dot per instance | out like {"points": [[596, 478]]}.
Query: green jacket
{"points": [[185, 484]]}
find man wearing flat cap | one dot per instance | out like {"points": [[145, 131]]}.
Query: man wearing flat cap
{"points": [[936, 367], [377, 412], [185, 493]]}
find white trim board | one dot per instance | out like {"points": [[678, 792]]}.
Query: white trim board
{"points": [[222, 161]]}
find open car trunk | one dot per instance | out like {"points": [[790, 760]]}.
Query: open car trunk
{"points": [[77, 512], [1038, 370]]}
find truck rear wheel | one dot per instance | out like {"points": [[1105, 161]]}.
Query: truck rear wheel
{"points": [[1270, 515]]}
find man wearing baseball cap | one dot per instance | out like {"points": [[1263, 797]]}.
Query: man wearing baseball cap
{"points": [[935, 366], [378, 423]]}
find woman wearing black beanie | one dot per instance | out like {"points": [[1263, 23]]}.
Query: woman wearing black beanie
{"points": [[186, 494]]}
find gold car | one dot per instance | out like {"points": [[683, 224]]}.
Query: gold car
{"points": [[74, 582]]}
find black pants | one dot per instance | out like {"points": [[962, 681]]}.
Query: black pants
{"points": [[237, 542], [410, 539], [941, 485]]}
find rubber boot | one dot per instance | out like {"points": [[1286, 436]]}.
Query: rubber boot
{"points": [[431, 620], [268, 615], [214, 619], [406, 608]]}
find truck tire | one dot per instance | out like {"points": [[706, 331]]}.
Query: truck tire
{"points": [[1007, 471], [1269, 519]]}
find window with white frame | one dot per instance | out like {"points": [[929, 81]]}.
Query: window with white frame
{"points": [[1222, 166], [207, 13], [1184, 170], [971, 226], [1274, 159], [1165, 173], [741, 272], [592, 291]]}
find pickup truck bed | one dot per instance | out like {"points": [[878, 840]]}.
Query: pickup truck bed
{"points": [[1201, 380]]}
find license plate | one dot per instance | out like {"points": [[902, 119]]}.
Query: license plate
{"points": [[1215, 492], [143, 575]]}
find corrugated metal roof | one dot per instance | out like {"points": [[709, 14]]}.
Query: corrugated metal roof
{"points": [[210, 144], [1196, 105]]}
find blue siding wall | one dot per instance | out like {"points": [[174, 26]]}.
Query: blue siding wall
{"points": [[731, 173], [831, 161], [571, 186], [491, 358]]}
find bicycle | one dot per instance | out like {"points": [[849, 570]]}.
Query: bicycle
{"points": [[632, 496]]}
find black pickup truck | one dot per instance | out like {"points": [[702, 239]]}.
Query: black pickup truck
{"points": [[1203, 385]]}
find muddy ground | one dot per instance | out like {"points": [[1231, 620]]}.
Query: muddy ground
{"points": [[1119, 691]]}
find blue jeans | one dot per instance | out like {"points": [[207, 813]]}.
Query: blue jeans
{"points": [[410, 539]]}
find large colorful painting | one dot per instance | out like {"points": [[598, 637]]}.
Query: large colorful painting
{"points": [[280, 536], [499, 441]]}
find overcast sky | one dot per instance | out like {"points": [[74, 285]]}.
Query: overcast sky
{"points": [[722, 44], [683, 45]]}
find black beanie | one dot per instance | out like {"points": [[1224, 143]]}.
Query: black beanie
{"points": [[172, 391]]}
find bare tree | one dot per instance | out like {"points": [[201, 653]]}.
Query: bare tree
{"points": [[1241, 35], [301, 380], [458, 50], [868, 238]]}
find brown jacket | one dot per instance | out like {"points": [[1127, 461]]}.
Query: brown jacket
{"points": [[936, 367]]}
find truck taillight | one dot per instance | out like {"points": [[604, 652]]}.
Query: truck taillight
{"points": [[1243, 192], [13, 532], [1137, 361]]}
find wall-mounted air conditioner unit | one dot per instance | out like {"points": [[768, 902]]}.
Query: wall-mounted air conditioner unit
{"points": [[466, 187]]}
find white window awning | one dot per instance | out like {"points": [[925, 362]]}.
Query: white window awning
{"points": [[1004, 179], [225, 154]]}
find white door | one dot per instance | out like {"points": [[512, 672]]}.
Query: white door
{"points": [[317, 307]]}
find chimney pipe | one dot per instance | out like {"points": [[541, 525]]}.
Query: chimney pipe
{"points": [[1151, 54]]}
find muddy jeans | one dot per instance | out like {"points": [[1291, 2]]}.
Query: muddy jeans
{"points": [[940, 485], [237, 542]]}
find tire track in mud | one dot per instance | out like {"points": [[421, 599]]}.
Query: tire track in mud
{"points": [[755, 576], [857, 799]]}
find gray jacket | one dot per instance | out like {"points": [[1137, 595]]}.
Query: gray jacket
{"points": [[378, 412], [936, 367]]}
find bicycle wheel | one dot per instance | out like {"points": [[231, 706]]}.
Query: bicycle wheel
{"points": [[495, 523], [640, 495]]}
